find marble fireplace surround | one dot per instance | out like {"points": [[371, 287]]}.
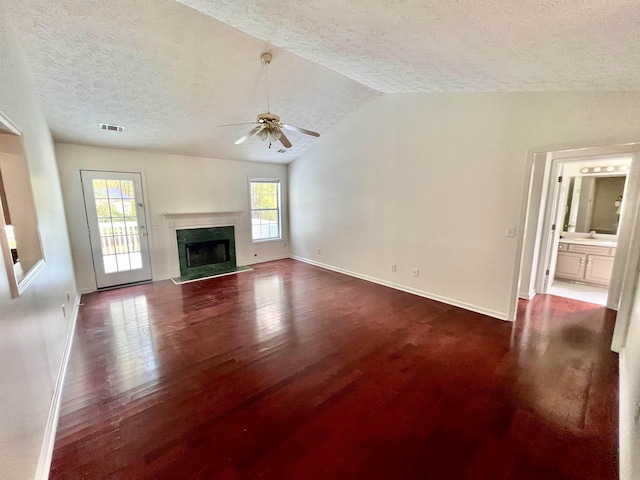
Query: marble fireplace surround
{"points": [[182, 221]]}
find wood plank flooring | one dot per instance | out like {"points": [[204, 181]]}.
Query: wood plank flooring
{"points": [[294, 372]]}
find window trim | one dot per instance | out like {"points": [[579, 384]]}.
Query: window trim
{"points": [[279, 209]]}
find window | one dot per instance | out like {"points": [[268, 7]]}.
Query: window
{"points": [[265, 210]]}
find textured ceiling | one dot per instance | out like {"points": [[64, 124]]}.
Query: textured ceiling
{"points": [[170, 75], [453, 45]]}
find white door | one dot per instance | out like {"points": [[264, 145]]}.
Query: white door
{"points": [[560, 193], [117, 227]]}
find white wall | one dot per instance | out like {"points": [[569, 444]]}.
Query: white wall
{"points": [[432, 181], [628, 328], [33, 331], [174, 184]]}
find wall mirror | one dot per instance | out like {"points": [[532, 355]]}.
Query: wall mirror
{"points": [[19, 236], [595, 200]]}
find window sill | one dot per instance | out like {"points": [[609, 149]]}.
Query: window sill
{"points": [[268, 240]]}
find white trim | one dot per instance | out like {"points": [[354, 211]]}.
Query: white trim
{"points": [[278, 209], [30, 276], [528, 296], [414, 291], [198, 219], [12, 127], [46, 453]]}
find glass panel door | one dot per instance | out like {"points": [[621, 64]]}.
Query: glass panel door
{"points": [[117, 227]]}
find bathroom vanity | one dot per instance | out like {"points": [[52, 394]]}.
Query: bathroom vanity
{"points": [[585, 260]]}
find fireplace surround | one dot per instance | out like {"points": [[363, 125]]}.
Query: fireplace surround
{"points": [[201, 264], [205, 252]]}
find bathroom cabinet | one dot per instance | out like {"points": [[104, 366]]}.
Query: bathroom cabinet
{"points": [[585, 263]]}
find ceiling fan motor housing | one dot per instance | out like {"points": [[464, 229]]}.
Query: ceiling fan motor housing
{"points": [[268, 118]]}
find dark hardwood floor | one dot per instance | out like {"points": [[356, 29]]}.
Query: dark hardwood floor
{"points": [[294, 372]]}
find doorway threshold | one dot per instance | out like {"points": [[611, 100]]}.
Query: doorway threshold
{"points": [[579, 291]]}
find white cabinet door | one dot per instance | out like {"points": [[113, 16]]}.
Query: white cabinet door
{"points": [[599, 269], [570, 265]]}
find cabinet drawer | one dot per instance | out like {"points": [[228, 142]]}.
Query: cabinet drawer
{"points": [[563, 247], [595, 249]]}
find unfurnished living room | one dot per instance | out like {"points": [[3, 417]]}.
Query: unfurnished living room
{"points": [[387, 239]]}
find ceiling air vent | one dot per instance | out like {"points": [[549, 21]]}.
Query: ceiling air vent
{"points": [[111, 128]]}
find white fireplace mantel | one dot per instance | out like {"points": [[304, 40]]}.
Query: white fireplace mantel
{"points": [[199, 219]]}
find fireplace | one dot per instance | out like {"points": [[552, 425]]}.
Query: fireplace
{"points": [[205, 252]]}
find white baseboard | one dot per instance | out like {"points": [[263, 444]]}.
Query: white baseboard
{"points": [[414, 291], [527, 296], [44, 463], [164, 277]]}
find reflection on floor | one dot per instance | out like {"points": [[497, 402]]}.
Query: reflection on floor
{"points": [[290, 371], [578, 291]]}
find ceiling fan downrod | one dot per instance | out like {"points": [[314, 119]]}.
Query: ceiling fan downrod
{"points": [[266, 60]]}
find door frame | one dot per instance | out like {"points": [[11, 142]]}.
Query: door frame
{"points": [[533, 217], [554, 214], [147, 217]]}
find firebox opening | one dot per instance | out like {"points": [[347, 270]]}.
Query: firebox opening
{"points": [[207, 253]]}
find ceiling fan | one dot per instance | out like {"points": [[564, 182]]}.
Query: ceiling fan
{"points": [[268, 125]]}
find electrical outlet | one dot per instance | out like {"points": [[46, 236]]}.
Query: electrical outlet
{"points": [[394, 267], [510, 232], [416, 272], [319, 251]]}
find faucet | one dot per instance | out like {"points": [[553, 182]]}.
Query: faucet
{"points": [[592, 234]]}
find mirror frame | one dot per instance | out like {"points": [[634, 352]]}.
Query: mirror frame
{"points": [[18, 286]]}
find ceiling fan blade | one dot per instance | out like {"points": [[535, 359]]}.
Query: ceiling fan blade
{"points": [[301, 130], [284, 140], [252, 132], [234, 124]]}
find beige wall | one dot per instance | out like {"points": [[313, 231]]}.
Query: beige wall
{"points": [[33, 330], [174, 184], [432, 181]]}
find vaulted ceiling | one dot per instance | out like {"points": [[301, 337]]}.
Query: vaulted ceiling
{"points": [[171, 72]]}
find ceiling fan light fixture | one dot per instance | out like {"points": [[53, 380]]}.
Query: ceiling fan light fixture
{"points": [[263, 134]]}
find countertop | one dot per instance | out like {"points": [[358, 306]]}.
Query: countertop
{"points": [[589, 241]]}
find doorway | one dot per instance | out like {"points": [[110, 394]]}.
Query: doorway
{"points": [[117, 227], [538, 244], [587, 208]]}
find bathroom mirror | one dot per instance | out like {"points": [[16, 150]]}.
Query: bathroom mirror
{"points": [[594, 203], [19, 236]]}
